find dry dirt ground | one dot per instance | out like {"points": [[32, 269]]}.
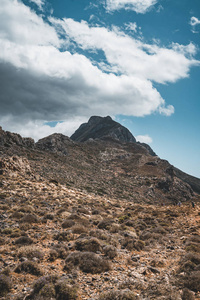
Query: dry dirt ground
{"points": [[61, 243]]}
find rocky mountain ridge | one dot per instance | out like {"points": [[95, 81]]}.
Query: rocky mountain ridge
{"points": [[104, 166]]}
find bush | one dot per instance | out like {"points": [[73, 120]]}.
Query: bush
{"points": [[28, 267], [5, 285], [192, 281], [62, 236], [118, 295], [29, 218], [78, 229], [132, 244], [88, 244], [48, 291], [187, 295], [65, 291], [68, 224], [48, 287], [61, 250], [88, 262], [110, 251], [105, 224], [24, 240], [42, 281], [30, 252]]}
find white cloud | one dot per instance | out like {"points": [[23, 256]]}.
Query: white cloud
{"points": [[38, 129], [41, 83], [131, 26], [21, 26], [39, 3], [130, 56], [194, 21], [139, 6], [144, 139]]}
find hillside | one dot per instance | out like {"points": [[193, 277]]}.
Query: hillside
{"points": [[94, 220]]}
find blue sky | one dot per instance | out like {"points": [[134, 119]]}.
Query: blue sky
{"points": [[136, 60]]}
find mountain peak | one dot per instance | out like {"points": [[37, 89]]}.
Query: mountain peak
{"points": [[100, 127]]}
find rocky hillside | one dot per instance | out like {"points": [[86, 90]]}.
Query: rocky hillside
{"points": [[95, 220], [57, 242]]}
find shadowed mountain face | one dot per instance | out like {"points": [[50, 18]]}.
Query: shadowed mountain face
{"points": [[99, 127], [104, 127]]}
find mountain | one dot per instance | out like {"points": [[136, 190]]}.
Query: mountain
{"points": [[100, 127], [95, 220], [103, 127], [104, 158]]}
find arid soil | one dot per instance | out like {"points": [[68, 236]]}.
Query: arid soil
{"points": [[60, 241]]}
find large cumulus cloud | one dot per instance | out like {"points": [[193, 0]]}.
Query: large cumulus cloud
{"points": [[41, 80]]}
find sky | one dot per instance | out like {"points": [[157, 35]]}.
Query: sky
{"points": [[135, 60]]}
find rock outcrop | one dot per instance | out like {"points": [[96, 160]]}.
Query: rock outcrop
{"points": [[104, 127], [8, 139], [56, 143], [99, 127]]}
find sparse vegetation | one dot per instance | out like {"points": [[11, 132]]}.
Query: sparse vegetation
{"points": [[88, 262], [123, 245]]}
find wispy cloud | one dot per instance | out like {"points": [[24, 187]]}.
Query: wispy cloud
{"points": [[139, 6], [144, 139], [194, 22], [39, 3], [131, 26]]}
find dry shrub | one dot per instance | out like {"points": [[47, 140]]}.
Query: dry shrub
{"points": [[78, 229], [50, 287], [192, 281], [132, 244], [62, 236], [23, 240], [187, 295], [65, 291], [88, 244], [118, 295], [68, 224], [61, 252], [110, 251], [48, 291], [105, 224], [88, 262], [29, 218], [30, 252], [17, 215], [192, 247], [5, 285], [100, 234], [28, 267]]}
